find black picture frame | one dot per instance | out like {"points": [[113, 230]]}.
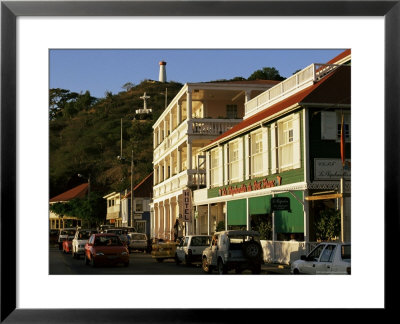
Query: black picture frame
{"points": [[10, 10]]}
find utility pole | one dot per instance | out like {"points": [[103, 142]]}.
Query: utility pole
{"points": [[132, 222]]}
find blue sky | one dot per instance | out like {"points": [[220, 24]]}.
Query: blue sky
{"points": [[107, 70]]}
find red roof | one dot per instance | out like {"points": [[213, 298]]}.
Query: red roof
{"points": [[340, 56], [339, 79], [77, 192], [144, 188]]}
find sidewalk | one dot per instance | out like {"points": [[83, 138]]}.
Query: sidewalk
{"points": [[275, 268]]}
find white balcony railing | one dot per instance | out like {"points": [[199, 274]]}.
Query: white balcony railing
{"points": [[187, 178], [198, 126], [296, 82], [213, 127]]}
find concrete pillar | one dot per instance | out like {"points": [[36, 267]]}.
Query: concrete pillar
{"points": [[171, 219], [247, 96], [178, 114], [165, 219], [189, 104], [189, 156], [179, 159], [170, 122], [154, 139], [165, 128]]}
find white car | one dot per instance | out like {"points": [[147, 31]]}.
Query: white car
{"points": [[325, 258], [64, 234], [137, 241], [79, 241], [191, 248], [234, 249]]}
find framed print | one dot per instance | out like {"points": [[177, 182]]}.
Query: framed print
{"points": [[30, 294]]}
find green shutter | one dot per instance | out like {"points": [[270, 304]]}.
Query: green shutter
{"points": [[237, 212], [293, 221], [260, 205]]}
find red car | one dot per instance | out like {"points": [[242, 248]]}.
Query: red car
{"points": [[106, 249], [67, 244]]}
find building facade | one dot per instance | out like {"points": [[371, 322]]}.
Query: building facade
{"points": [[199, 113], [63, 221], [282, 166]]}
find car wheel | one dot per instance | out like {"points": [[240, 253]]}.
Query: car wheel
{"points": [[238, 270], [159, 260], [87, 261], [204, 265], [177, 262], [296, 271], [252, 250], [222, 267], [256, 269], [126, 264]]}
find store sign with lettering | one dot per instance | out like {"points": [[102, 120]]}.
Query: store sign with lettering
{"points": [[256, 185], [280, 203], [331, 169]]}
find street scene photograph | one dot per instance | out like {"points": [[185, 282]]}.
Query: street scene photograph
{"points": [[199, 162]]}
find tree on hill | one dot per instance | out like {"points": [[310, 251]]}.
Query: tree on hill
{"points": [[128, 86], [266, 73]]}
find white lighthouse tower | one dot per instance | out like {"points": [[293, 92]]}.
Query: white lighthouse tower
{"points": [[163, 73]]}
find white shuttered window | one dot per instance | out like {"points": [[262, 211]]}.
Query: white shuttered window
{"points": [[216, 168], [256, 154], [288, 143]]}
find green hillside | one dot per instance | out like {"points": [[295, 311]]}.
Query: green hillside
{"points": [[85, 136]]}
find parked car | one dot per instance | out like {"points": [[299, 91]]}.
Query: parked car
{"points": [[121, 232], [67, 244], [234, 249], [53, 236], [79, 241], [325, 258], [162, 250], [191, 248], [106, 249], [137, 241], [102, 228], [64, 234]]}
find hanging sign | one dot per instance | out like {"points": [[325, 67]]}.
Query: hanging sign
{"points": [[187, 205], [280, 203]]}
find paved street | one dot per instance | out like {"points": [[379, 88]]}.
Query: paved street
{"points": [[140, 263]]}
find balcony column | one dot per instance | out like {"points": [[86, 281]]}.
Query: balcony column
{"points": [[189, 104], [165, 219], [170, 122], [247, 96], [154, 139], [171, 221], [158, 136], [178, 113], [165, 128], [189, 155], [171, 165], [179, 159], [157, 224]]}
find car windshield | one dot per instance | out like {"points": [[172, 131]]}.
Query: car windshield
{"points": [[107, 241], [68, 232], [200, 241], [83, 235], [140, 237]]}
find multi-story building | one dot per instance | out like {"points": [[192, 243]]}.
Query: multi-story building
{"points": [[139, 215], [64, 221], [288, 146], [199, 113], [114, 214]]}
